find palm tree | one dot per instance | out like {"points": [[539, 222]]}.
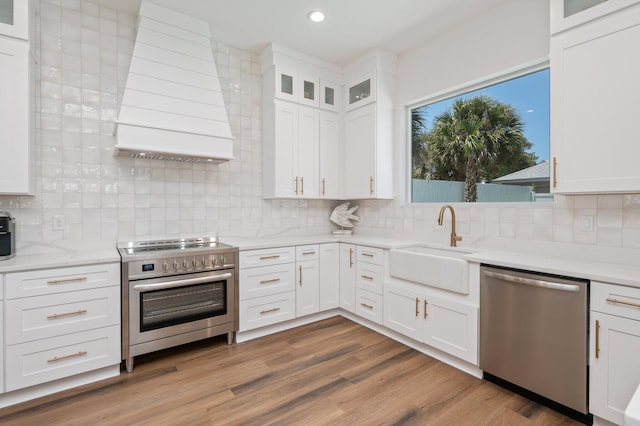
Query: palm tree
{"points": [[472, 140], [418, 158]]}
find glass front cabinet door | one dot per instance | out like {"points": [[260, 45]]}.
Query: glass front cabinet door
{"points": [[14, 18], [286, 84], [308, 94], [361, 91], [566, 14], [329, 96]]}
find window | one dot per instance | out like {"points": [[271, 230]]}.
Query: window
{"points": [[488, 144]]}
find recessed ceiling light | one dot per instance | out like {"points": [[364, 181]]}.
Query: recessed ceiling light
{"points": [[316, 16]]}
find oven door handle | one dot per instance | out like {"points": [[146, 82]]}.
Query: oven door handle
{"points": [[181, 283]]}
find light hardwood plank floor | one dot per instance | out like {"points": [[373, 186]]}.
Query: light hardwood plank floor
{"points": [[333, 372]]}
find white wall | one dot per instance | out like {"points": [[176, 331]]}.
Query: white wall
{"points": [[504, 37]]}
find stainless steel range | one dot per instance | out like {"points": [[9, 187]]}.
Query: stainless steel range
{"points": [[175, 292]]}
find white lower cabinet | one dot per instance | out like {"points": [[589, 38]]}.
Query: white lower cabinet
{"points": [[348, 277], [443, 323], [614, 364], [307, 280], [64, 321], [267, 287], [58, 357], [369, 305], [329, 276]]}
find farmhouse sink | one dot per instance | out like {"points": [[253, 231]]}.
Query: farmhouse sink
{"points": [[435, 267]]}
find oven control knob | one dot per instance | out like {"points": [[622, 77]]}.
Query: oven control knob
{"points": [[222, 261], [175, 265], [165, 266], [215, 261], [204, 261], [194, 262], [185, 263]]}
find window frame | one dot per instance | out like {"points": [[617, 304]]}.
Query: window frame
{"points": [[480, 83]]}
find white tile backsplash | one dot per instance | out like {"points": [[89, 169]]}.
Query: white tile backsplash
{"points": [[83, 52]]}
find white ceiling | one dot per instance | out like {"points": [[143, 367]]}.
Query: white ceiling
{"points": [[352, 27]]}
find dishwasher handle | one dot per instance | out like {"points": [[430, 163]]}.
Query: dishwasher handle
{"points": [[535, 283]]}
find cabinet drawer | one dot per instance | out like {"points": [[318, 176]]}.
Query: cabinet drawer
{"points": [[267, 280], [59, 280], [267, 310], [309, 252], [52, 315], [615, 300], [44, 360], [369, 305], [369, 277], [264, 257], [370, 255]]}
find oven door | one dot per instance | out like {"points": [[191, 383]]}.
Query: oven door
{"points": [[170, 306]]}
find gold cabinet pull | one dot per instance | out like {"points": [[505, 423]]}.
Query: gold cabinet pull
{"points": [[370, 185], [275, 256], [367, 254], [597, 339], [302, 185], [555, 168], [67, 314], [366, 277], [366, 306], [300, 274], [275, 280], [350, 258], [269, 311], [296, 185], [417, 307], [425, 308], [67, 280], [323, 186], [622, 302], [63, 357], [305, 253]]}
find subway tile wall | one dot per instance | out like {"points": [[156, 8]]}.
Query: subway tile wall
{"points": [[83, 52]]}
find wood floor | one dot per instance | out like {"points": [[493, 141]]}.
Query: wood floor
{"points": [[333, 372]]}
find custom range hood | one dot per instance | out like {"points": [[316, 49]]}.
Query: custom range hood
{"points": [[172, 107]]}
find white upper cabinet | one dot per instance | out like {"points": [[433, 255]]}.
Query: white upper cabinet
{"points": [[361, 91], [291, 150], [14, 18], [330, 96], [330, 158], [294, 86], [566, 14], [16, 142], [594, 104]]}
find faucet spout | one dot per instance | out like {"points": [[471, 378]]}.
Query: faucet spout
{"points": [[454, 238]]}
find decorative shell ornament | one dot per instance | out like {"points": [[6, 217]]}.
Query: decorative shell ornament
{"points": [[342, 216]]}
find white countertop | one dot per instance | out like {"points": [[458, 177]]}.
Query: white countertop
{"points": [[56, 254], [612, 265]]}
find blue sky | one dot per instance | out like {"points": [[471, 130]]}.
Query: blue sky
{"points": [[528, 94]]}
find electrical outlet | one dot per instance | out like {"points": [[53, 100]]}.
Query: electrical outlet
{"points": [[586, 223], [57, 222]]}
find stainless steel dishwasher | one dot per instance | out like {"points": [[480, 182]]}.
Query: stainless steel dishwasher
{"points": [[533, 334]]}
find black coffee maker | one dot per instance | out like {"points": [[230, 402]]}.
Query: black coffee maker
{"points": [[7, 236]]}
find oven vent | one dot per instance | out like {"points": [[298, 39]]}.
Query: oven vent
{"points": [[172, 107]]}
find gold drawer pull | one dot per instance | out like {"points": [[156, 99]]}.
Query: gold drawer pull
{"points": [[62, 358], [350, 257], [622, 302], [366, 306], [269, 310], [66, 280], [366, 277], [275, 280], [275, 256], [417, 307], [425, 308], [367, 254], [67, 314], [304, 253]]}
